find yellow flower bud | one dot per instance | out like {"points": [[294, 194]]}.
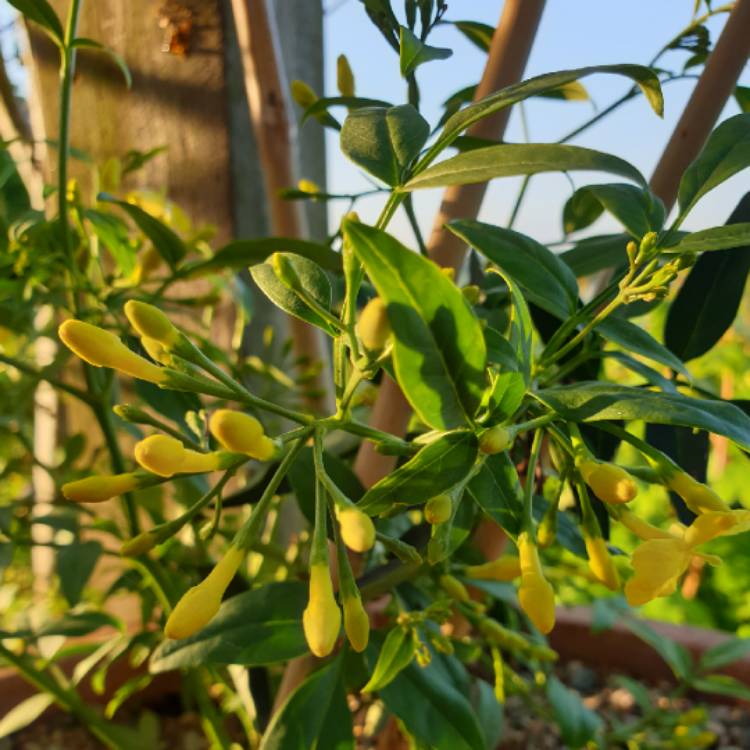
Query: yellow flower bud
{"points": [[454, 588], [357, 529], [303, 94], [151, 322], [356, 623], [241, 433], [156, 351], [496, 440], [536, 596], [504, 568], [697, 496], [139, 545], [98, 489], [438, 509], [373, 326], [609, 482], [200, 603], [148, 262], [321, 619], [308, 186], [600, 562], [103, 349], [166, 456], [658, 564], [344, 76]]}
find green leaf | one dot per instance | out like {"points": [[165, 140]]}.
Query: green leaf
{"points": [[716, 238], [439, 354], [78, 623], [384, 141], [496, 489], [83, 43], [313, 280], [742, 95], [707, 302], [596, 253], [489, 712], [508, 390], [637, 209], [41, 12], [727, 151], [166, 242], [521, 328], [433, 709], [731, 650], [315, 716], [500, 351], [437, 467], [242, 253], [480, 34], [637, 340], [674, 654], [592, 401], [545, 279], [511, 159], [75, 564], [645, 78], [577, 724], [721, 684], [262, 626], [113, 234], [22, 714], [396, 654], [322, 105], [449, 536], [414, 52]]}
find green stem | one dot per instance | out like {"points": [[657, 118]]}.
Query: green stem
{"points": [[412, 217], [528, 491]]}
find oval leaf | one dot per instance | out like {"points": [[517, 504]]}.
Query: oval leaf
{"points": [[396, 654]]}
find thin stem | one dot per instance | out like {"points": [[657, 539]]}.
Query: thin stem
{"points": [[412, 217], [528, 491]]}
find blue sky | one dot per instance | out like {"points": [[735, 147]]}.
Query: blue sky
{"points": [[573, 33]]}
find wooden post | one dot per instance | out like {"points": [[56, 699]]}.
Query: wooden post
{"points": [[265, 85], [509, 51]]}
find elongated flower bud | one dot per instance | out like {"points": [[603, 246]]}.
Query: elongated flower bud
{"points": [[438, 509], [356, 623], [103, 349], [454, 588], [536, 596], [700, 498], [200, 603], [139, 544], [344, 76], [373, 326], [496, 440], [504, 568], [303, 94], [241, 433], [609, 482], [151, 322], [357, 529], [321, 619], [600, 561], [166, 456], [101, 488]]}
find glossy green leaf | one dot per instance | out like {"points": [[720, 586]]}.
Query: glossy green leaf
{"points": [[500, 351], [594, 254], [716, 238], [437, 467], [512, 159], [727, 151], [578, 724], [438, 352], [313, 281], [42, 13], [706, 304], [521, 328], [262, 626], [637, 209], [384, 141], [508, 390], [75, 564], [396, 654], [731, 650], [413, 52], [119, 61], [166, 242], [497, 490], [544, 278], [315, 716], [636, 340], [592, 401]]}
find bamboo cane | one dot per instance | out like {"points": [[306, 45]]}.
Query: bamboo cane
{"points": [[509, 51], [265, 87]]}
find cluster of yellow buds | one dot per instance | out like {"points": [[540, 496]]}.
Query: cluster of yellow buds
{"points": [[536, 596]]}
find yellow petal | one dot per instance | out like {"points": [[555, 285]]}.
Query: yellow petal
{"points": [[241, 433], [321, 619], [160, 454], [356, 623], [601, 563], [357, 529], [609, 482], [537, 599], [658, 563], [100, 488], [700, 498], [504, 568], [151, 322]]}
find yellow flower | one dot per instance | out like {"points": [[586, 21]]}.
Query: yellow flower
{"points": [[356, 623], [536, 596], [357, 529], [504, 568], [200, 603], [697, 496], [609, 482], [438, 509], [496, 440], [373, 327], [98, 489], [321, 619], [600, 562], [241, 433], [166, 456], [151, 322], [642, 529], [103, 349]]}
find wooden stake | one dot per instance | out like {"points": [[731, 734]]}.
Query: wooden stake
{"points": [[265, 86], [509, 51]]}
